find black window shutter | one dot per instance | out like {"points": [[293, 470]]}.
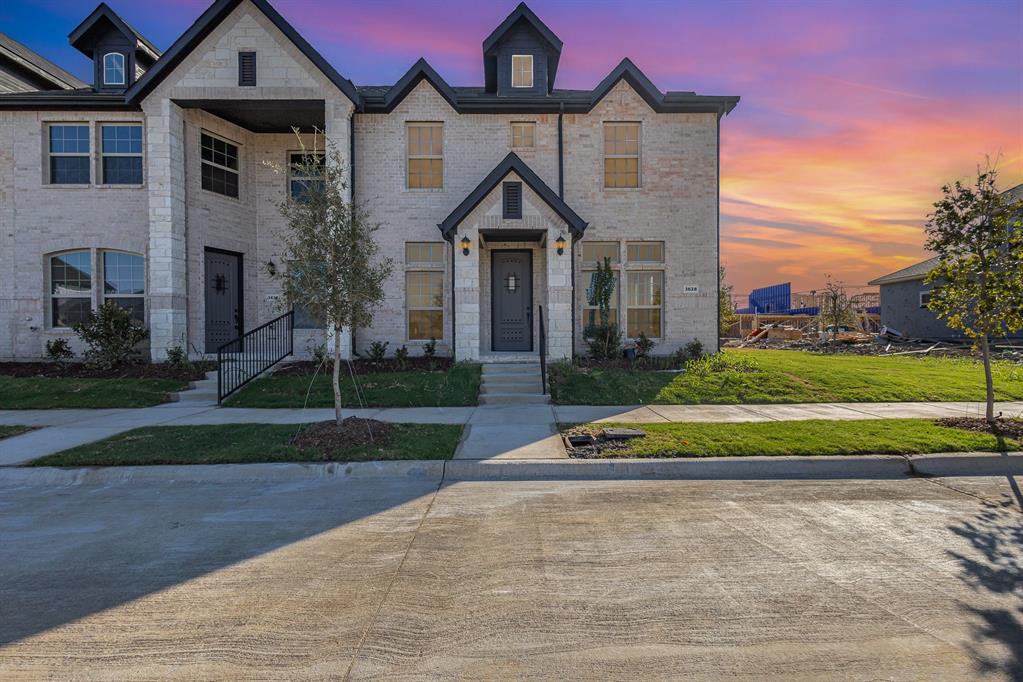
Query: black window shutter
{"points": [[246, 68], [512, 200]]}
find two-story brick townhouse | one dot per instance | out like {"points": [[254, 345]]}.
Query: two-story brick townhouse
{"points": [[150, 188]]}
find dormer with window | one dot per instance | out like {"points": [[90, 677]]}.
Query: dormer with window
{"points": [[520, 58], [120, 54]]}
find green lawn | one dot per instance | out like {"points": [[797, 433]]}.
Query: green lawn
{"points": [[8, 431], [23, 393], [789, 377], [457, 386], [247, 443], [815, 437]]}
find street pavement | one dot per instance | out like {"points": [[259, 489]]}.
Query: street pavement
{"points": [[392, 577]]}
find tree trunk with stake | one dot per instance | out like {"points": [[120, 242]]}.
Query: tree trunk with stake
{"points": [[985, 349], [336, 378]]}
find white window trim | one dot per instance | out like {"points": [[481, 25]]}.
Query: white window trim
{"points": [[46, 142], [531, 125], [923, 304], [101, 154], [532, 74], [124, 69], [410, 309], [638, 155], [409, 157], [660, 306], [237, 172]]}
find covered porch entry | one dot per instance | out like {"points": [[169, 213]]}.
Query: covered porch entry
{"points": [[513, 268]]}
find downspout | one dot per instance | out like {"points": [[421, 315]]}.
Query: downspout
{"points": [[717, 208], [561, 195], [351, 185]]}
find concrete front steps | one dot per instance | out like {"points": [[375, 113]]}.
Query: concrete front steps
{"points": [[202, 392], [512, 383]]}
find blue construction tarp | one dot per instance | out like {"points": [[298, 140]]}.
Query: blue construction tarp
{"points": [[776, 298]]}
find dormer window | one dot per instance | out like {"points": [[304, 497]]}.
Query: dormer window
{"points": [[113, 69], [522, 70]]}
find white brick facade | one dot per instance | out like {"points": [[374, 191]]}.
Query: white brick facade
{"points": [[171, 220]]}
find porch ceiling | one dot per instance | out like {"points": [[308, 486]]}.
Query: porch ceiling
{"points": [[264, 116]]}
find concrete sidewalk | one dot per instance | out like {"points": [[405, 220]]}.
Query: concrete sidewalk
{"points": [[494, 431]]}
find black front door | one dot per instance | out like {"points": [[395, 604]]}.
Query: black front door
{"points": [[223, 298], [512, 297]]}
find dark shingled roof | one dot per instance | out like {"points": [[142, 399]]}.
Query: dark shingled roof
{"points": [[513, 164], [103, 12], [32, 61]]}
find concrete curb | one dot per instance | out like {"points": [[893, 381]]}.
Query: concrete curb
{"points": [[718, 468]]}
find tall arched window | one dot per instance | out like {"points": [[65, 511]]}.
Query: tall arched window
{"points": [[113, 68]]}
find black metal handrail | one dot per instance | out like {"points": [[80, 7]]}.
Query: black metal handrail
{"points": [[543, 352], [243, 359]]}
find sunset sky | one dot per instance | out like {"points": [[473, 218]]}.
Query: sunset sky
{"points": [[852, 116]]}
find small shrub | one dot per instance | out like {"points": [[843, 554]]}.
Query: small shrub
{"points": [[694, 350], [111, 335], [177, 357], [377, 350], [59, 351], [318, 351], [401, 355], [430, 348], [644, 345]]}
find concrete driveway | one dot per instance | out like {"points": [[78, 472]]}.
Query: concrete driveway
{"points": [[388, 578]]}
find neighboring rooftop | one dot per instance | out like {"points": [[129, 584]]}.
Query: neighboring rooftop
{"points": [[24, 70], [912, 273]]}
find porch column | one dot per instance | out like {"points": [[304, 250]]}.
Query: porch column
{"points": [[467, 296], [337, 116], [168, 270], [558, 312]]}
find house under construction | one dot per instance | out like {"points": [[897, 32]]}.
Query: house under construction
{"points": [[795, 314]]}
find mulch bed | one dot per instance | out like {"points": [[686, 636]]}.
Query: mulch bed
{"points": [[362, 366], [329, 439], [1008, 428], [193, 372]]}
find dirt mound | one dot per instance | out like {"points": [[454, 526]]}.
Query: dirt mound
{"points": [[330, 439], [1009, 428]]}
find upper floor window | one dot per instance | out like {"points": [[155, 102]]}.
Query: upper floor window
{"points": [[522, 70], [621, 154], [425, 155], [70, 288], [645, 252], [305, 173], [113, 69], [121, 152], [219, 165], [523, 134], [69, 154]]}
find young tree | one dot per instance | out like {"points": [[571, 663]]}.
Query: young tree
{"points": [[977, 234], [836, 308], [603, 335], [727, 315], [329, 255]]}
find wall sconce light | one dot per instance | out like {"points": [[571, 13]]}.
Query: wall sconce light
{"points": [[465, 245], [560, 243], [271, 268]]}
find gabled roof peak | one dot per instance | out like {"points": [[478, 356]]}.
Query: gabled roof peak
{"points": [[83, 36], [513, 164], [522, 12]]}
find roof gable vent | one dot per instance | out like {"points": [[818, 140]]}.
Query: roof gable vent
{"points": [[247, 69], [512, 200]]}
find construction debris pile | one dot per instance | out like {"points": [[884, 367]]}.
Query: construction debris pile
{"points": [[887, 342]]}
